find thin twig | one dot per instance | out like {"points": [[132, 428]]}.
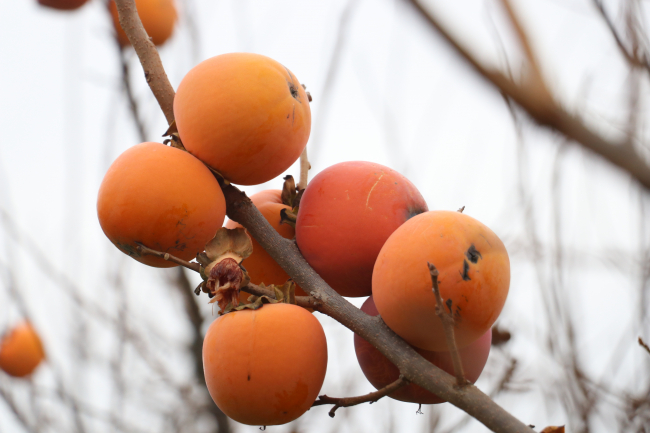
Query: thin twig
{"points": [[448, 324], [642, 344], [154, 72], [304, 170], [166, 256], [367, 398]]}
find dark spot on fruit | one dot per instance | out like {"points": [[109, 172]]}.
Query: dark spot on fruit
{"points": [[294, 91], [285, 412], [249, 377], [288, 115], [465, 272], [448, 303], [473, 254]]}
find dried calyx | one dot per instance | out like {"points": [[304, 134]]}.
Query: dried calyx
{"points": [[290, 197], [221, 268], [283, 294]]}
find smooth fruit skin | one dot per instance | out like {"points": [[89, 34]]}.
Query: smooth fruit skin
{"points": [[474, 274], [346, 214], [21, 351], [243, 114], [64, 5], [260, 265], [266, 366], [158, 19], [381, 372], [163, 198]]}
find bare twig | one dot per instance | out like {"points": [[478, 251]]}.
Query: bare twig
{"points": [[642, 344], [367, 398], [154, 72], [166, 256], [540, 105], [304, 170], [448, 324]]}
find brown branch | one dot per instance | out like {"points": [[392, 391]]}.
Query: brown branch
{"points": [[410, 364], [367, 398], [154, 72], [448, 324], [543, 109], [642, 344], [166, 256]]}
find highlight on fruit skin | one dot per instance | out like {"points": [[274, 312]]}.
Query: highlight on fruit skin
{"points": [[158, 19], [380, 372], [261, 267], [163, 198], [266, 366], [346, 214], [21, 350], [64, 5], [474, 277], [243, 114]]}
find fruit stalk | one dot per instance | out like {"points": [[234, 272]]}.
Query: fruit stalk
{"points": [[448, 324]]}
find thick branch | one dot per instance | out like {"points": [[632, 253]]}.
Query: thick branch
{"points": [[154, 72], [541, 106], [448, 325], [353, 401]]}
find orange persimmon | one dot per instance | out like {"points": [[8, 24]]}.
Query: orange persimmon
{"points": [[265, 366], [474, 276], [243, 114], [64, 5], [346, 214], [260, 265], [21, 350], [380, 372], [158, 19], [163, 198]]}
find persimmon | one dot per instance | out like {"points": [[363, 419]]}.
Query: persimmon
{"points": [[64, 5], [163, 198], [260, 265], [380, 372], [474, 277], [21, 350], [265, 366], [243, 114], [158, 19], [346, 214]]}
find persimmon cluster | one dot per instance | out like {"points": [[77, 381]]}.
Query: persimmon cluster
{"points": [[364, 228]]}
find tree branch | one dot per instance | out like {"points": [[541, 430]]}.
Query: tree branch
{"points": [[353, 401], [154, 72], [304, 170], [642, 344], [410, 364], [534, 98]]}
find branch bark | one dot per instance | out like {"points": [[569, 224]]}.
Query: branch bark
{"points": [[240, 209], [533, 97]]}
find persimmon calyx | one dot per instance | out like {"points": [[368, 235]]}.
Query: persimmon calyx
{"points": [[283, 294], [221, 267], [288, 217]]}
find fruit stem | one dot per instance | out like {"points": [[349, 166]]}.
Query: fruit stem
{"points": [[143, 250], [448, 325], [367, 398]]}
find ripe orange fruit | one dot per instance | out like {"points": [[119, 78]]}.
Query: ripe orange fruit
{"points": [[474, 275], [158, 19], [346, 214], [64, 5], [163, 198], [21, 351], [260, 265], [243, 114], [380, 372], [266, 366]]}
